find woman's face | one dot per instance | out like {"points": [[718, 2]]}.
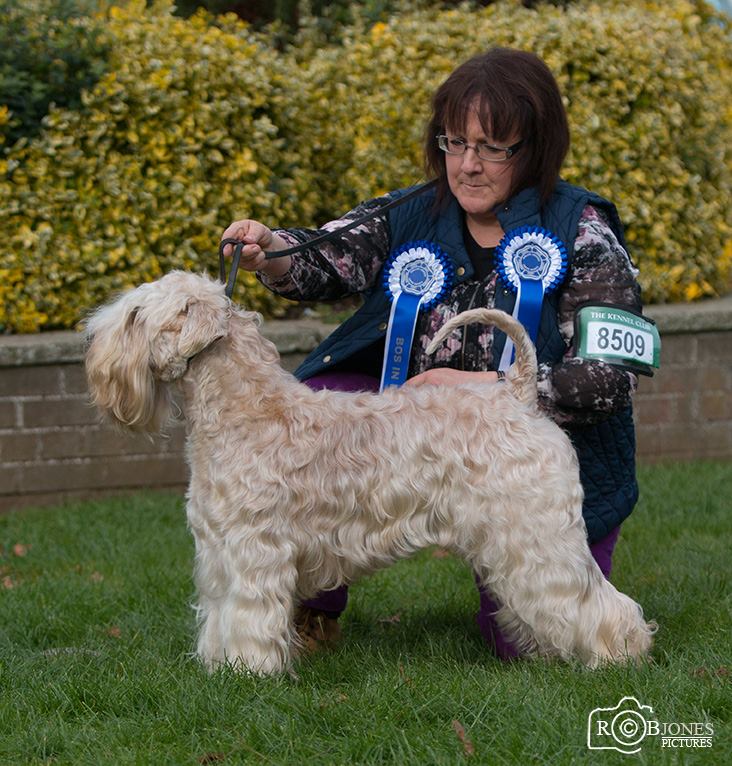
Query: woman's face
{"points": [[479, 185]]}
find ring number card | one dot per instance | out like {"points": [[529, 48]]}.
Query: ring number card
{"points": [[618, 337]]}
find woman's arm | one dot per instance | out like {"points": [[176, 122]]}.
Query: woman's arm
{"points": [[345, 265], [577, 391]]}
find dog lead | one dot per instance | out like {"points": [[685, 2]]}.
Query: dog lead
{"points": [[238, 246]]}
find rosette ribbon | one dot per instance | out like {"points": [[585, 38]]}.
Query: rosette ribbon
{"points": [[532, 262], [416, 277]]}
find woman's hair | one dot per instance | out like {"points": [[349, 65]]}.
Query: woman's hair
{"points": [[516, 95]]}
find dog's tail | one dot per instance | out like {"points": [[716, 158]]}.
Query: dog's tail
{"points": [[522, 375]]}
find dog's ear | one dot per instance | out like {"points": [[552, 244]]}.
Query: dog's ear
{"points": [[120, 380], [204, 323]]}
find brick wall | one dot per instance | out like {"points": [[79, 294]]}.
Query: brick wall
{"points": [[685, 410], [53, 448], [51, 443]]}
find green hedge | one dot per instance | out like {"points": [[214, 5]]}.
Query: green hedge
{"points": [[198, 122], [50, 51], [181, 136]]}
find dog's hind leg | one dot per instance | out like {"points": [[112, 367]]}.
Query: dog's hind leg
{"points": [[543, 585]]}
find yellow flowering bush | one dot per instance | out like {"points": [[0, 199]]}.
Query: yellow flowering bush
{"points": [[176, 140], [199, 122]]}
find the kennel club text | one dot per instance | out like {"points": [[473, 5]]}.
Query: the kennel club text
{"points": [[631, 340]]}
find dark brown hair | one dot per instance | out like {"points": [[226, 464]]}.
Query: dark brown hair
{"points": [[516, 94]]}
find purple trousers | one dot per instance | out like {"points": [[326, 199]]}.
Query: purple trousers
{"points": [[333, 602]]}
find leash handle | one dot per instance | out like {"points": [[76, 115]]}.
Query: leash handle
{"points": [[236, 257], [238, 245]]}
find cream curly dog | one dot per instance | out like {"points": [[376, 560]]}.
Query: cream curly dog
{"points": [[295, 491]]}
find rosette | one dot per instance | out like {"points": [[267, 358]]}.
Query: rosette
{"points": [[416, 276], [532, 262]]}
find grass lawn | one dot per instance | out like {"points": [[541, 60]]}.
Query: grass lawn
{"points": [[96, 633]]}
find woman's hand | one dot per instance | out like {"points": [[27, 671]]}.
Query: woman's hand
{"points": [[258, 239], [446, 376]]}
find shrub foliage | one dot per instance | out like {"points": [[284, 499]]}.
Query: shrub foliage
{"points": [[201, 121], [50, 50], [176, 140]]}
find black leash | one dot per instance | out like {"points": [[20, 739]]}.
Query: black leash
{"points": [[239, 246]]}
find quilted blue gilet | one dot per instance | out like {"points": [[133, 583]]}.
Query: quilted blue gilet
{"points": [[606, 451]]}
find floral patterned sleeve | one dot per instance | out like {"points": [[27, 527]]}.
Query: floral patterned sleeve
{"points": [[343, 266], [577, 391]]}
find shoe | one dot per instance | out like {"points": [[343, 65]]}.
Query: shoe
{"points": [[315, 630]]}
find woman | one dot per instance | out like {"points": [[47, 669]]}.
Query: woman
{"points": [[495, 143]]}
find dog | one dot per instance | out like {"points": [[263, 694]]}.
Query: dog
{"points": [[294, 491]]}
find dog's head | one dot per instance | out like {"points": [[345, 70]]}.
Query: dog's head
{"points": [[147, 337]]}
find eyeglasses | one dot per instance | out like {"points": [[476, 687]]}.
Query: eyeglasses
{"points": [[485, 152]]}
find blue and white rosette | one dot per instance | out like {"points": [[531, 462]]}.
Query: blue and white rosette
{"points": [[532, 262], [416, 277]]}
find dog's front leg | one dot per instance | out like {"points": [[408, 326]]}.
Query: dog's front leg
{"points": [[254, 628], [212, 584]]}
